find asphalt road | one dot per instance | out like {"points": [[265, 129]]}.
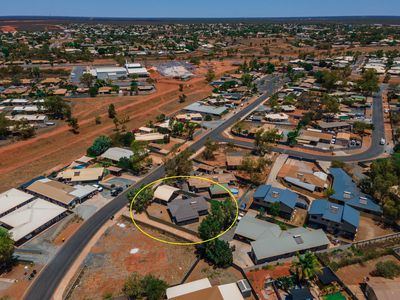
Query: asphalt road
{"points": [[50, 277]]}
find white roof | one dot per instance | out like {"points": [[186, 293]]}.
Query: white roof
{"points": [[164, 192], [187, 288], [30, 217], [12, 198], [116, 153], [28, 117], [149, 137], [137, 71], [230, 291], [133, 65], [82, 191], [110, 69], [26, 108]]}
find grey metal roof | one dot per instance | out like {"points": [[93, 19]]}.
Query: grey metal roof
{"points": [[269, 240], [187, 209], [207, 109]]}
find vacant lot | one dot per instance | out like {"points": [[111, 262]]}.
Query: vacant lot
{"points": [[354, 275], [370, 229], [123, 250], [50, 151]]}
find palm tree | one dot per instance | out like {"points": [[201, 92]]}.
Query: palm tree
{"points": [[307, 266]]}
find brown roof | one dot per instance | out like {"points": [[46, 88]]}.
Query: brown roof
{"points": [[384, 289], [211, 293], [51, 80], [53, 190]]}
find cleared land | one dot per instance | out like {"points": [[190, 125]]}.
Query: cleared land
{"points": [[123, 250]]}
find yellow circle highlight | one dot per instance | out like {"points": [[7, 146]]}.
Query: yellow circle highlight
{"points": [[179, 243]]}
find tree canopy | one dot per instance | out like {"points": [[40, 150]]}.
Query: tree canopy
{"points": [[6, 247], [99, 146], [179, 165], [149, 287]]}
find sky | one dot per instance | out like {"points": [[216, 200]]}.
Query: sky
{"points": [[200, 8]]}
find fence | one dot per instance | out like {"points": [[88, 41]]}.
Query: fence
{"points": [[73, 283]]}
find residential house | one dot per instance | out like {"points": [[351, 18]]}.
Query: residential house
{"points": [[266, 195], [269, 243], [185, 211], [347, 192], [334, 218]]}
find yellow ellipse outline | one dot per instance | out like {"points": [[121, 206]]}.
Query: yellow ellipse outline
{"points": [[178, 243]]}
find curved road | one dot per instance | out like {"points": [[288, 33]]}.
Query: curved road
{"points": [[50, 277]]}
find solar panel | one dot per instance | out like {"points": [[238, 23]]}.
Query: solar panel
{"points": [[298, 239]]}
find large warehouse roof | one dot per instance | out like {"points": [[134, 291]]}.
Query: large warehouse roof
{"points": [[13, 198], [30, 217]]}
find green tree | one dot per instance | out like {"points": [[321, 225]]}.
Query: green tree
{"points": [[209, 148], [329, 192], [218, 253], [133, 287], [387, 269], [179, 165], [307, 266], [57, 106], [210, 75], [87, 79], [275, 209], [111, 111], [73, 123], [6, 247], [264, 139], [369, 83], [154, 287], [143, 200], [100, 145], [359, 127]]}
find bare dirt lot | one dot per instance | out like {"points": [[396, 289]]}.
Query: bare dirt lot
{"points": [[15, 283], [353, 275], [123, 250], [370, 229], [49, 151]]}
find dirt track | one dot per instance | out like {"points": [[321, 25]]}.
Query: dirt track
{"points": [[49, 151]]}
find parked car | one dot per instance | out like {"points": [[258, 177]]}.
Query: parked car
{"points": [[383, 141], [98, 187]]}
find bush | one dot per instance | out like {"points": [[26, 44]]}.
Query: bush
{"points": [[100, 145], [387, 269]]}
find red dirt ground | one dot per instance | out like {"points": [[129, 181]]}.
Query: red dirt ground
{"points": [[49, 151], [110, 262]]}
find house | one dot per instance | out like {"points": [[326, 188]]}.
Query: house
{"points": [[216, 191], [31, 119], [343, 139], [165, 193], [277, 118], [266, 195], [334, 218], [200, 108], [269, 243], [82, 175], [234, 160], [202, 289], [347, 192], [186, 211], [313, 138], [115, 154], [12, 199], [304, 175], [31, 218], [60, 193], [333, 126]]}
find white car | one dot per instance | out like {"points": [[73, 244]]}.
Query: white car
{"points": [[98, 187], [383, 141]]}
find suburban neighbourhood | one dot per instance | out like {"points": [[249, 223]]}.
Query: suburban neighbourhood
{"points": [[215, 159]]}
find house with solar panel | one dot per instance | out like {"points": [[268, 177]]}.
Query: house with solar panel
{"points": [[334, 218], [269, 242], [266, 195], [347, 193]]}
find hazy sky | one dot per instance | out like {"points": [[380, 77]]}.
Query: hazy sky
{"points": [[200, 8]]}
